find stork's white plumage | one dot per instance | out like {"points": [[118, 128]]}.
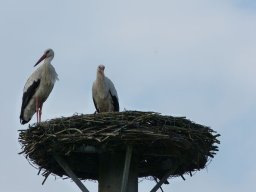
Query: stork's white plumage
{"points": [[104, 93], [37, 88]]}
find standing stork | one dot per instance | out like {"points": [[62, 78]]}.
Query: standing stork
{"points": [[104, 93], [37, 88]]}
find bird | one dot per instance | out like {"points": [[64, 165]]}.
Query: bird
{"points": [[37, 88], [104, 94]]}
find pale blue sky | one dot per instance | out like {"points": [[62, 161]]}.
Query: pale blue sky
{"points": [[177, 57]]}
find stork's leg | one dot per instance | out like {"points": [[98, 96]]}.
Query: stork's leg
{"points": [[37, 108], [40, 111]]}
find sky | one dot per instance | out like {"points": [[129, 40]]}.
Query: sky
{"points": [[176, 57]]}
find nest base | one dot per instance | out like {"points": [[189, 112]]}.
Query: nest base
{"points": [[161, 143]]}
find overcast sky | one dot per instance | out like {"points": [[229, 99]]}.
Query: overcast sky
{"points": [[177, 57]]}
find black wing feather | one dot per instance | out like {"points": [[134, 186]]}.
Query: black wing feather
{"points": [[95, 105], [115, 102], [26, 98]]}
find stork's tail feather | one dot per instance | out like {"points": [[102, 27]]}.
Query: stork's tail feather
{"points": [[22, 121]]}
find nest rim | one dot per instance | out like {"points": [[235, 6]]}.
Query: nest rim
{"points": [[161, 143]]}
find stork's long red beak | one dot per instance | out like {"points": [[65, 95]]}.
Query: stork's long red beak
{"points": [[41, 59]]}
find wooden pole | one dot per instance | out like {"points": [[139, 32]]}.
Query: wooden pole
{"points": [[111, 169], [126, 168], [70, 173]]}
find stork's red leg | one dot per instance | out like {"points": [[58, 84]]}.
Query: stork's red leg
{"points": [[40, 111], [37, 107]]}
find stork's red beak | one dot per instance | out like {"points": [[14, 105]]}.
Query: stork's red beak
{"points": [[41, 59]]}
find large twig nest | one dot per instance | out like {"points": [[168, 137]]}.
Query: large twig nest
{"points": [[160, 143]]}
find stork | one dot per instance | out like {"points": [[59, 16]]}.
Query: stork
{"points": [[104, 94], [37, 88]]}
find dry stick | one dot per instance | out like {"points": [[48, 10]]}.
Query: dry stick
{"points": [[46, 176], [69, 129], [109, 127]]}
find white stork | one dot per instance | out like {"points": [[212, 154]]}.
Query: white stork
{"points": [[104, 93], [37, 88]]}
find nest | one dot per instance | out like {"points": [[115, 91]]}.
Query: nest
{"points": [[160, 143]]}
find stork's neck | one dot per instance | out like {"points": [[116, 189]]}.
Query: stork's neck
{"points": [[101, 81], [48, 60], [101, 87], [48, 72], [100, 77]]}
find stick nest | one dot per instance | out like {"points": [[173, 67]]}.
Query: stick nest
{"points": [[160, 143]]}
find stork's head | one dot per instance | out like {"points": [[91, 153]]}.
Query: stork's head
{"points": [[101, 69], [48, 54]]}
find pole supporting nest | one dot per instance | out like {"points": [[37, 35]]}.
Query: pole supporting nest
{"points": [[126, 168], [70, 173], [160, 183], [118, 171]]}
